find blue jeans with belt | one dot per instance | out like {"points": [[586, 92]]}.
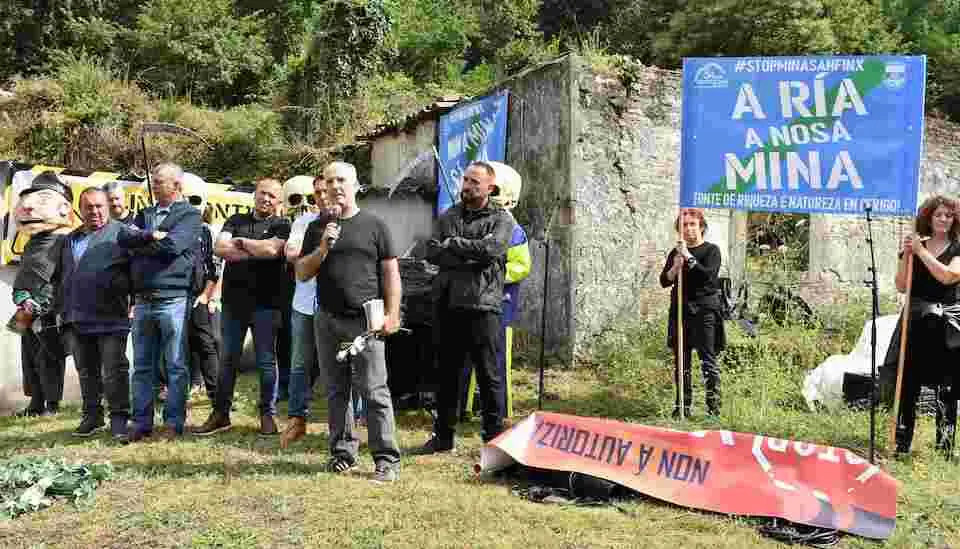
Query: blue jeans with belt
{"points": [[159, 340]]}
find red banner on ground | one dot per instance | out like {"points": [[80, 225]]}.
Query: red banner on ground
{"points": [[721, 471]]}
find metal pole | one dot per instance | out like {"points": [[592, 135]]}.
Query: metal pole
{"points": [[543, 316], [875, 312]]}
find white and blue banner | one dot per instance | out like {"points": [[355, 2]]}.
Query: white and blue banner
{"points": [[829, 135], [470, 132]]}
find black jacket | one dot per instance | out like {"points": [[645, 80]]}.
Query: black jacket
{"points": [[470, 247], [96, 290], [163, 268]]}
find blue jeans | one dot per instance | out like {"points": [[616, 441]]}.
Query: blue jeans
{"points": [[303, 363], [265, 324], [159, 340]]}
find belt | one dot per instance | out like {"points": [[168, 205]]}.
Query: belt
{"points": [[152, 298]]}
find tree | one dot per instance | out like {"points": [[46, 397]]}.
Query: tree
{"points": [[31, 30], [427, 35], [284, 20], [932, 27], [348, 44], [201, 50], [506, 34], [573, 18], [771, 27]]}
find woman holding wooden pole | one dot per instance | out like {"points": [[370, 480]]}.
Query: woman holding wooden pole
{"points": [[697, 263], [928, 273]]}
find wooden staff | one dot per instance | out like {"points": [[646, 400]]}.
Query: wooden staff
{"points": [[904, 325], [680, 338]]}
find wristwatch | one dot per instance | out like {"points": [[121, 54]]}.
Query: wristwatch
{"points": [[691, 261]]}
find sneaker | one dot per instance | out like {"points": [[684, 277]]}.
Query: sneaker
{"points": [[437, 445], [215, 423], [89, 425], [31, 411], [385, 472], [267, 425], [339, 464]]}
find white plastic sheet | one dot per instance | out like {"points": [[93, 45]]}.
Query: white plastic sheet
{"points": [[824, 384]]}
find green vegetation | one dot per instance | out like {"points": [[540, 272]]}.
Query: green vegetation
{"points": [[241, 490], [316, 73]]}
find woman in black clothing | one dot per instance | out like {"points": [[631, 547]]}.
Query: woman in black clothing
{"points": [[702, 324], [934, 324]]}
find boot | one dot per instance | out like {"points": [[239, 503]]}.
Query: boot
{"points": [[296, 429], [267, 425]]}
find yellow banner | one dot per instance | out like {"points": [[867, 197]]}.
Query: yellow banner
{"points": [[224, 202]]}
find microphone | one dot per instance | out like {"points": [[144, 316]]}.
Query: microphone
{"points": [[335, 213]]}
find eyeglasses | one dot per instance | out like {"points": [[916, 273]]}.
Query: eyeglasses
{"points": [[297, 199], [195, 200]]}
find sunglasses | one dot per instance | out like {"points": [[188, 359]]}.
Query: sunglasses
{"points": [[297, 199]]}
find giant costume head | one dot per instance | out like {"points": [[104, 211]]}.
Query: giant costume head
{"points": [[298, 196], [46, 205], [509, 184], [194, 191]]}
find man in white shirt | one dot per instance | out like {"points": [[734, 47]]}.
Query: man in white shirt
{"points": [[303, 356]]}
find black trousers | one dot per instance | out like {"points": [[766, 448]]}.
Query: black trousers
{"points": [[705, 345], [284, 350], [103, 370], [946, 417], [204, 344], [43, 361], [468, 337]]}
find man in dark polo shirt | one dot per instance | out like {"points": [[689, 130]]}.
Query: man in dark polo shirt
{"points": [[353, 261], [96, 301], [252, 245]]}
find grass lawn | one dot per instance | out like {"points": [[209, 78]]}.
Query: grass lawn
{"points": [[240, 490]]}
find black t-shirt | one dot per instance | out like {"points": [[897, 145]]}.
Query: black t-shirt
{"points": [[253, 282], [928, 288], [351, 274]]}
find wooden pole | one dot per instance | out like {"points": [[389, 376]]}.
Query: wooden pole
{"points": [[904, 331], [680, 340]]}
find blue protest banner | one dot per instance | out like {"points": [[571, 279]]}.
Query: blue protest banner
{"points": [[473, 131], [828, 135]]}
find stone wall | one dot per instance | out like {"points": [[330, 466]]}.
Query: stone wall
{"points": [[539, 148], [626, 173]]}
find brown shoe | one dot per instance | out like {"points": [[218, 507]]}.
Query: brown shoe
{"points": [[165, 434], [267, 425], [296, 429], [215, 423]]}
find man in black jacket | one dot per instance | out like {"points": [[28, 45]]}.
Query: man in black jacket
{"points": [[161, 243], [469, 245], [96, 289]]}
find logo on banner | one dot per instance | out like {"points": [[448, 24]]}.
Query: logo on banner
{"points": [[895, 76], [710, 75]]}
